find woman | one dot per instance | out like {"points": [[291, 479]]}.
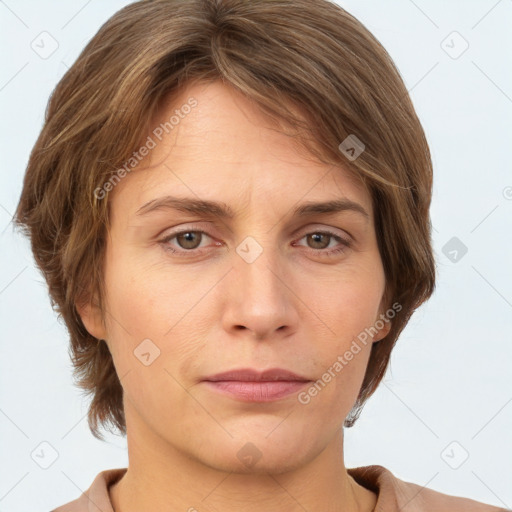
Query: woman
{"points": [[230, 203]]}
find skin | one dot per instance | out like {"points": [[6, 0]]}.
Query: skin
{"points": [[292, 308]]}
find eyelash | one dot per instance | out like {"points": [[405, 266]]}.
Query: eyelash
{"points": [[345, 243]]}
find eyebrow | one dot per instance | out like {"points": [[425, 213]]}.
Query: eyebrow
{"points": [[223, 211]]}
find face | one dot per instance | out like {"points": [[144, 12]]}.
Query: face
{"points": [[191, 293]]}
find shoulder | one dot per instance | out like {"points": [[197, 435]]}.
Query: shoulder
{"points": [[394, 494], [96, 498]]}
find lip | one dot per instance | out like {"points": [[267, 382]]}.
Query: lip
{"points": [[251, 375], [250, 385]]}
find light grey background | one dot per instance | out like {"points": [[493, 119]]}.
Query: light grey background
{"points": [[449, 390]]}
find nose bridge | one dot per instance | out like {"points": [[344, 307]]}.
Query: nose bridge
{"points": [[258, 266], [259, 299]]}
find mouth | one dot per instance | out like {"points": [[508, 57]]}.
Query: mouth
{"points": [[250, 385]]}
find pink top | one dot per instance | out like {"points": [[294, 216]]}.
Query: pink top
{"points": [[393, 494]]}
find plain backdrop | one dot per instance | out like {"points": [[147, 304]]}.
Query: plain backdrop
{"points": [[442, 416]]}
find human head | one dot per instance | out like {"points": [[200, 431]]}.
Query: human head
{"points": [[322, 61]]}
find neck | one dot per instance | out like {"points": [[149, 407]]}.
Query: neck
{"points": [[160, 477]]}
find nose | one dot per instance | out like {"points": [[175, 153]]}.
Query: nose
{"points": [[259, 298]]}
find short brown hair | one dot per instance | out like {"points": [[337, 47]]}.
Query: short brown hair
{"points": [[311, 53]]}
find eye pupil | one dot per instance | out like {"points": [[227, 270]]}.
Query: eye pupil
{"points": [[315, 238], [188, 238]]}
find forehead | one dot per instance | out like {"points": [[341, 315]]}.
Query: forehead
{"points": [[224, 147]]}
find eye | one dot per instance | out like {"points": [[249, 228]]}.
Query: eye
{"points": [[188, 241], [321, 240]]}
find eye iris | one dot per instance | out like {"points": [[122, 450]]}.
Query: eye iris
{"points": [[188, 238], [315, 239]]}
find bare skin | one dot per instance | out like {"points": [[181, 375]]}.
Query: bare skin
{"points": [[297, 306]]}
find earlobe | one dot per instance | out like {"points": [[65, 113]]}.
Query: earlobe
{"points": [[92, 318], [384, 330], [382, 322]]}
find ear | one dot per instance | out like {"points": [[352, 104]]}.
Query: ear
{"points": [[385, 329], [382, 318], [92, 318]]}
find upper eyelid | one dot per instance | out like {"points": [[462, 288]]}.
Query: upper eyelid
{"points": [[310, 229]]}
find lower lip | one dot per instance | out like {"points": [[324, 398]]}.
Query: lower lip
{"points": [[257, 391]]}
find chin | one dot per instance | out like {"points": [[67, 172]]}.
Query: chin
{"points": [[271, 462], [258, 452]]}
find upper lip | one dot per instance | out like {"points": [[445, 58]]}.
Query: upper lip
{"points": [[250, 374]]}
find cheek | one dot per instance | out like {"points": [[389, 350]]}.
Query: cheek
{"points": [[153, 316], [348, 302], [150, 342], [342, 363], [349, 308], [329, 399], [146, 300]]}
